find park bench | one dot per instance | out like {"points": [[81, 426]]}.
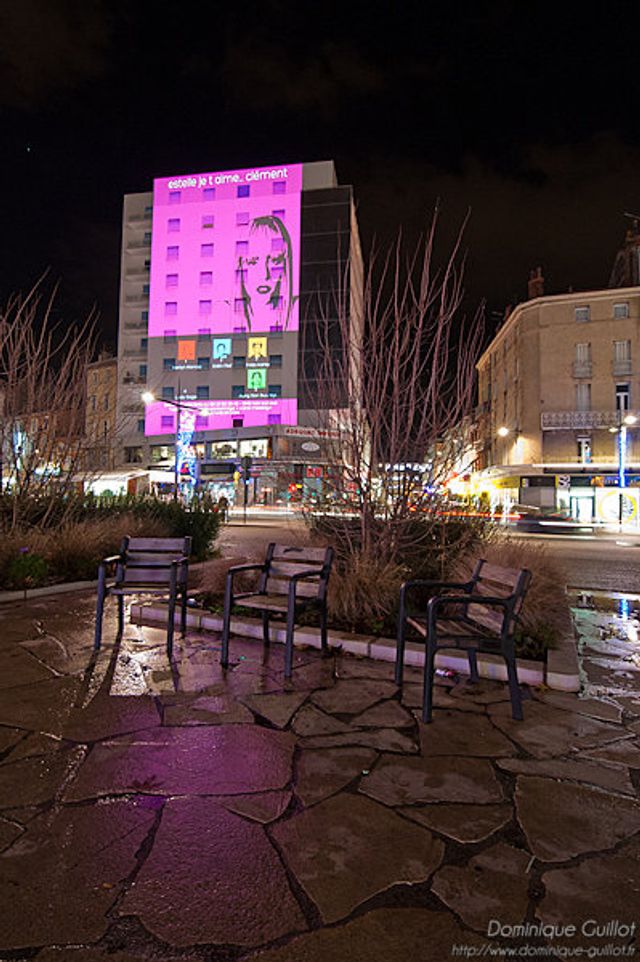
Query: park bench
{"points": [[290, 579], [146, 566], [479, 615]]}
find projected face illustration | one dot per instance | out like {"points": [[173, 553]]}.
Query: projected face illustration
{"points": [[267, 275]]}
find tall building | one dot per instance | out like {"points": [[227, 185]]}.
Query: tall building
{"points": [[558, 393], [227, 280], [100, 415]]}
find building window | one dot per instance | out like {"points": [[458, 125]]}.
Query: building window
{"points": [[142, 371], [275, 360], [208, 221], [583, 397], [237, 422], [275, 390], [243, 190], [167, 421], [170, 308], [276, 328], [278, 213], [206, 250], [173, 225], [238, 305], [277, 245], [583, 314], [147, 237], [242, 248], [168, 363], [169, 337], [620, 311], [174, 196], [274, 419], [621, 351], [140, 425], [583, 353], [148, 211], [241, 275], [623, 398], [133, 455], [171, 280], [584, 450], [146, 288], [173, 252], [144, 315], [204, 333], [206, 278], [168, 393], [242, 219], [237, 390], [202, 422], [204, 363], [144, 341], [202, 392], [204, 307], [239, 361], [279, 186], [209, 193]]}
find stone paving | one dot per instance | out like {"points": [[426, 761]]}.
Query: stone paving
{"points": [[178, 812]]}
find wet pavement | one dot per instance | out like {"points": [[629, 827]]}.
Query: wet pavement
{"points": [[178, 812]]}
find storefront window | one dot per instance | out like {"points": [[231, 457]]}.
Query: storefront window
{"points": [[255, 449]]}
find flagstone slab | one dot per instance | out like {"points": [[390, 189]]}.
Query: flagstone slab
{"points": [[594, 707], [353, 695], [388, 714], [262, 807], [384, 935], [457, 733], [382, 739], [624, 752], [547, 732], [34, 744], [32, 781], [562, 819], [18, 667], [614, 778], [108, 715], [9, 832], [310, 721], [61, 877], [334, 849], [277, 708], [412, 696], [42, 707], [493, 885], [483, 692], [603, 888], [348, 666], [9, 737], [69, 954], [409, 781], [205, 710], [464, 823], [320, 774], [226, 881], [217, 760]]}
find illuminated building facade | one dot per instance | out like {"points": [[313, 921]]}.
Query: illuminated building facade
{"points": [[559, 395], [224, 278]]}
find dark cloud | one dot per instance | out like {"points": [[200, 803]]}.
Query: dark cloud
{"points": [[48, 47]]}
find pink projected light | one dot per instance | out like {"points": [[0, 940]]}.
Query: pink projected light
{"points": [[255, 412], [240, 231]]}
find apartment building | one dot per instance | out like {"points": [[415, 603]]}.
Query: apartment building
{"points": [[228, 280], [100, 414], [558, 393]]}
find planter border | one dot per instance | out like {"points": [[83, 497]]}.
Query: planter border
{"points": [[560, 673]]}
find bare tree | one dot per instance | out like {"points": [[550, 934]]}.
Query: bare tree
{"points": [[394, 378], [42, 402]]}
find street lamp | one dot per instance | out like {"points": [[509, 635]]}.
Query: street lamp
{"points": [[148, 397], [502, 432]]}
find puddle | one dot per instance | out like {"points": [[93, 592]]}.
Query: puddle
{"points": [[608, 626]]}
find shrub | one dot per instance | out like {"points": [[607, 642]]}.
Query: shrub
{"points": [[26, 570], [363, 594]]}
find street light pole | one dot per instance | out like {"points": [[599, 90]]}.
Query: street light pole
{"points": [[623, 422]]}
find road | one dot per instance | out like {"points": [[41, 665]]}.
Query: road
{"points": [[606, 562]]}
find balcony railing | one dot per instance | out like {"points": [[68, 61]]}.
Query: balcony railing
{"points": [[622, 368], [572, 420], [582, 368]]}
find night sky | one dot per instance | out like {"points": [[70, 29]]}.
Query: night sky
{"points": [[525, 113]]}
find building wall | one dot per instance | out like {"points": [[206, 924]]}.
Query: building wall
{"points": [[100, 417], [529, 373]]}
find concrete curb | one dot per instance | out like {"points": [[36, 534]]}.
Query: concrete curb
{"points": [[60, 589], [561, 670]]}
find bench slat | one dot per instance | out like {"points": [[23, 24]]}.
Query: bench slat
{"points": [[284, 569], [161, 576], [304, 589], [299, 553], [176, 546], [498, 575]]}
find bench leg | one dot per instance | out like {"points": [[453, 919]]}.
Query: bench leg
{"points": [[171, 624], [324, 642], [429, 674], [183, 613], [265, 626], [226, 624], [514, 688], [399, 673], [473, 665], [100, 608], [288, 650], [120, 614]]}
